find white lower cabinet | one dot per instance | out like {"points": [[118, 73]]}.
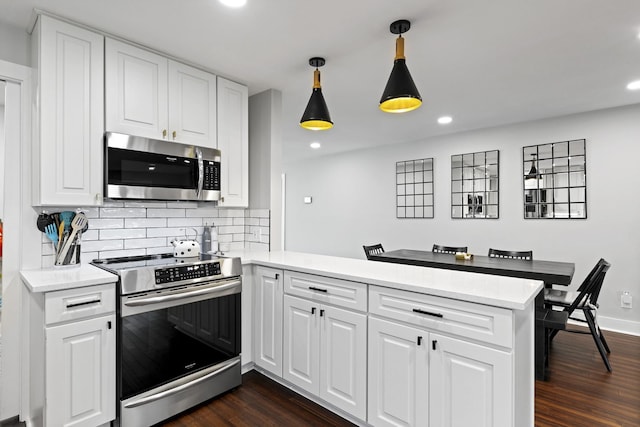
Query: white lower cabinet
{"points": [[325, 352], [470, 384], [80, 373], [421, 377], [267, 328], [398, 375]]}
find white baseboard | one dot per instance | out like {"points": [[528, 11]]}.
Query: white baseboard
{"points": [[617, 325]]}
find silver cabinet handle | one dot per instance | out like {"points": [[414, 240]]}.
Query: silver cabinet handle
{"points": [[206, 374], [202, 290]]}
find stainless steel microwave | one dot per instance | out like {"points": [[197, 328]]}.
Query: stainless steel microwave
{"points": [[151, 169]]}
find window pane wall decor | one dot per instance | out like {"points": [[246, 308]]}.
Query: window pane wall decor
{"points": [[414, 188], [475, 185], [555, 180]]}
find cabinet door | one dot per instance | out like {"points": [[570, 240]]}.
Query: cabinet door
{"points": [[233, 143], [80, 373], [301, 358], [71, 127], [192, 105], [398, 375], [136, 91], [268, 319], [343, 359], [470, 384]]}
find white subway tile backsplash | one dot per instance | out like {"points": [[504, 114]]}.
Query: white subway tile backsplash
{"points": [[100, 224], [123, 233], [102, 245], [122, 212], [145, 204], [165, 232], [145, 243], [166, 213], [128, 228], [145, 222], [184, 222], [203, 213]]}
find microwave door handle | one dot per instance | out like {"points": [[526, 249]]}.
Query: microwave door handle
{"points": [[200, 172]]}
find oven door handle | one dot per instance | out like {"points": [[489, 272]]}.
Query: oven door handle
{"points": [[206, 374], [218, 288]]}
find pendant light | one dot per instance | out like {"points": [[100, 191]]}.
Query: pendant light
{"points": [[400, 95], [533, 172], [316, 115]]}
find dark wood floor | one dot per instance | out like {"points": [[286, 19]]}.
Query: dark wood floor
{"points": [[580, 392]]}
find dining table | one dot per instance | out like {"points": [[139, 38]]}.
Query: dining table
{"points": [[549, 272]]}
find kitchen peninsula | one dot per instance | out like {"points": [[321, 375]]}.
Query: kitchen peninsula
{"points": [[331, 328]]}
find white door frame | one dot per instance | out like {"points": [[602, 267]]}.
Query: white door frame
{"points": [[21, 240]]}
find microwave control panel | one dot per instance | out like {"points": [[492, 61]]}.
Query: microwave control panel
{"points": [[186, 272], [211, 175]]}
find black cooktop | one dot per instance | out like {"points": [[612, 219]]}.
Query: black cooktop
{"points": [[158, 260]]}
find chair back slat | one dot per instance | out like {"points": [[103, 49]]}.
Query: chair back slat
{"points": [[372, 250], [448, 249], [499, 253], [591, 289]]}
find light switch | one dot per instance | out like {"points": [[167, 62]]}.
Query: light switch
{"points": [[307, 200]]}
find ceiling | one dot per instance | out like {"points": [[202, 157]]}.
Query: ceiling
{"points": [[485, 63]]}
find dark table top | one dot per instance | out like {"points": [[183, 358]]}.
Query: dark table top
{"points": [[550, 272]]}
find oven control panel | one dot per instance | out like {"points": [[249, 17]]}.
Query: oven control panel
{"points": [[179, 273]]}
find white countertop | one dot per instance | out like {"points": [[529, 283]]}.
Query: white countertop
{"points": [[59, 278], [506, 292]]}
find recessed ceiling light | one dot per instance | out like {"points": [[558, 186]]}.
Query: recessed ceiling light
{"points": [[444, 120], [234, 3], [314, 145], [634, 85]]}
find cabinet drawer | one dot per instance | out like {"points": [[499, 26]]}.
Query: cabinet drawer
{"points": [[480, 322], [342, 293], [79, 303]]}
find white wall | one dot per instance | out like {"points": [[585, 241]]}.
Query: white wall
{"points": [[354, 202]]}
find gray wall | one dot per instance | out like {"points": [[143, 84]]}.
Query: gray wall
{"points": [[15, 45], [354, 202]]}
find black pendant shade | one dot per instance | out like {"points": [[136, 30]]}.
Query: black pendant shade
{"points": [[400, 94], [316, 115]]}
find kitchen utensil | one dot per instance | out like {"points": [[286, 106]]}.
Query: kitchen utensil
{"points": [[61, 230], [43, 220], [67, 217], [52, 234], [77, 223]]}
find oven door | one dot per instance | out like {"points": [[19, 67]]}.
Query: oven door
{"points": [[177, 348]]}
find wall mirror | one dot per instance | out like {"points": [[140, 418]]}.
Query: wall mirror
{"points": [[555, 180], [414, 188], [474, 185]]}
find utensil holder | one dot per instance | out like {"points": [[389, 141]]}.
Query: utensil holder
{"points": [[72, 257]]}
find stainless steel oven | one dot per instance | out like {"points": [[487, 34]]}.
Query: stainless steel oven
{"points": [[178, 333]]}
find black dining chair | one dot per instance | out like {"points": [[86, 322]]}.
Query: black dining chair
{"points": [[372, 250], [448, 249], [586, 300], [499, 253]]}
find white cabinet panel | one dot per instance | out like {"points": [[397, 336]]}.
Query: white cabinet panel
{"points": [[80, 373], [398, 375], [192, 105], [233, 142], [470, 384], [268, 319], [301, 365], [136, 91], [69, 114], [343, 355]]}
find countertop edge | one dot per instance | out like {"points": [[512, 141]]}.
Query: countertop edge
{"points": [[57, 279], [536, 286]]}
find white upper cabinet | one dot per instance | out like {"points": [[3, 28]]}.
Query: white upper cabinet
{"points": [[69, 122], [151, 96], [192, 105], [233, 143]]}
